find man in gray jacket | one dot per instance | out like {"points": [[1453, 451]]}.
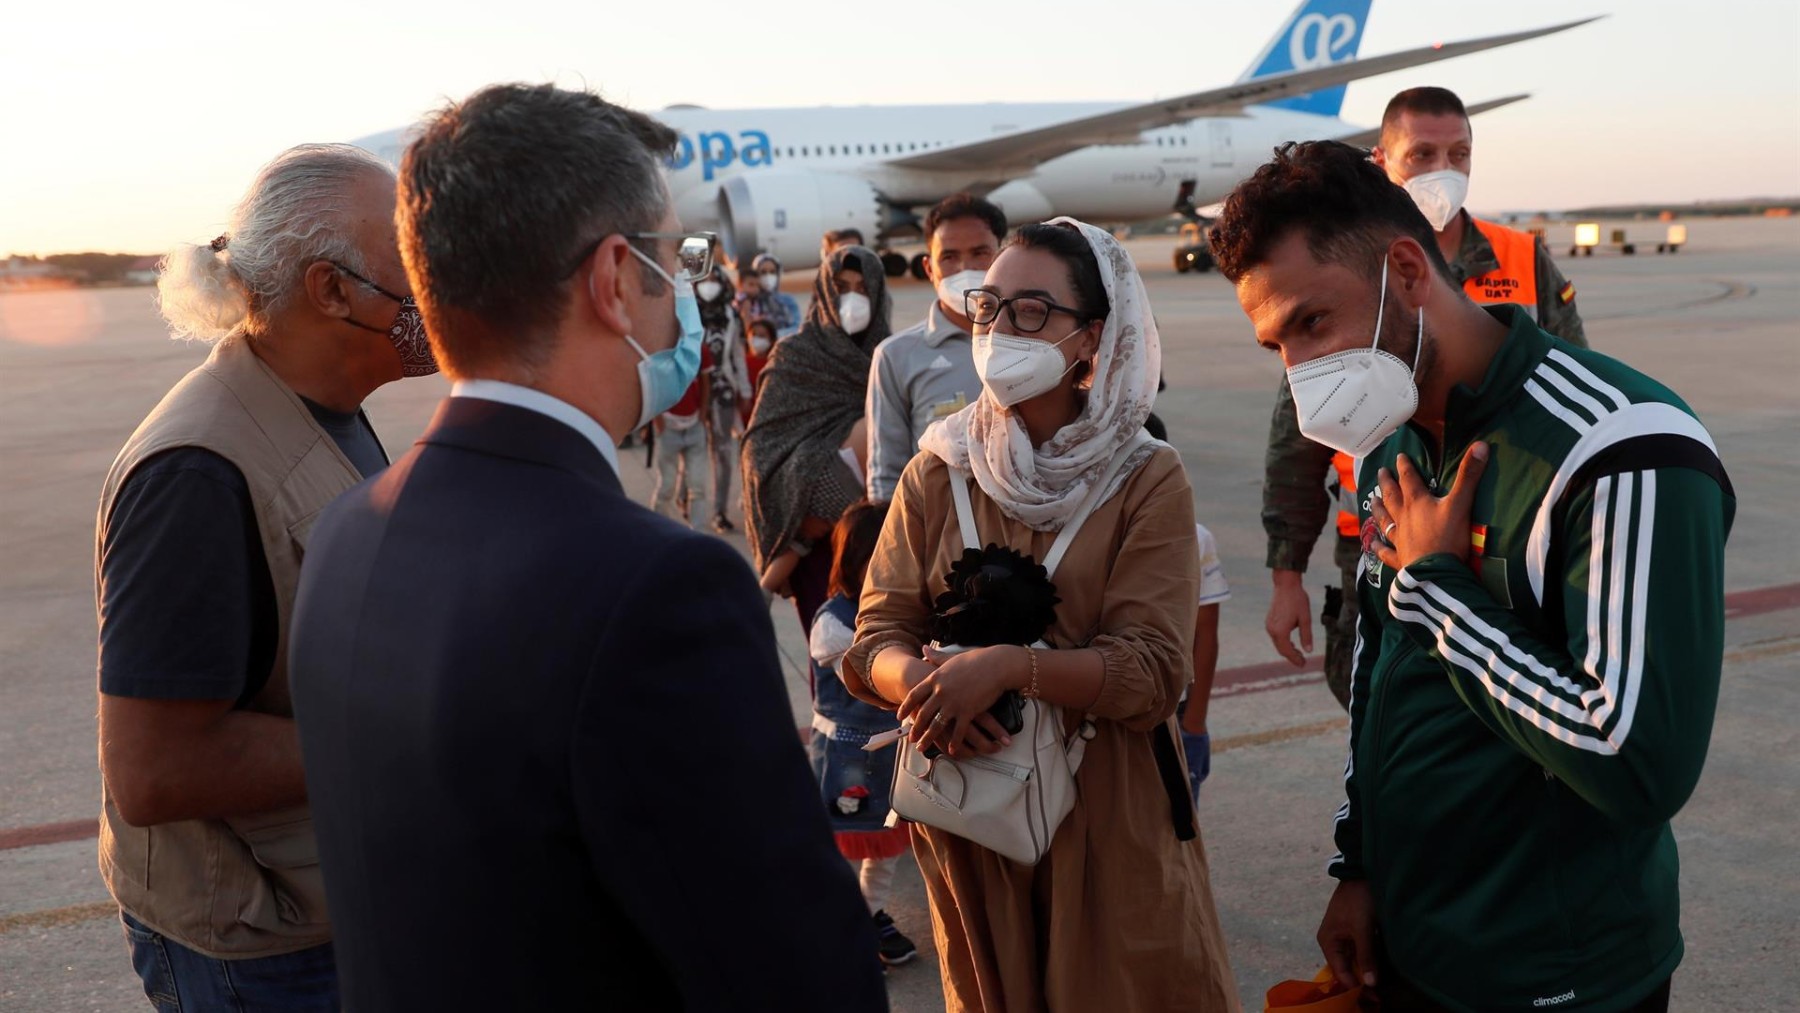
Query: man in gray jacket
{"points": [[927, 371]]}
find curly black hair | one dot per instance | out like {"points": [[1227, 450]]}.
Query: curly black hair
{"points": [[1345, 205]]}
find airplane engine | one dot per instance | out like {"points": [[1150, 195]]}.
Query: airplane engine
{"points": [[785, 211]]}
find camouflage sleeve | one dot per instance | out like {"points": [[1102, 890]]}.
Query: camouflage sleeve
{"points": [[1556, 300], [1295, 506]]}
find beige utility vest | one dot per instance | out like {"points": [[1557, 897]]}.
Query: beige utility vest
{"points": [[239, 887]]}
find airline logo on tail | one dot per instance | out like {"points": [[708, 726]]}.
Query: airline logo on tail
{"points": [[1319, 34], [1320, 40]]}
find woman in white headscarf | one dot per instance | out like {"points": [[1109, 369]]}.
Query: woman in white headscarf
{"points": [[1118, 915]]}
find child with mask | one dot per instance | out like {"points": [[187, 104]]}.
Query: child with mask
{"points": [[804, 449], [854, 782], [759, 340], [763, 299]]}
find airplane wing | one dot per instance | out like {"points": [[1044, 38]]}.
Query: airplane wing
{"points": [[1368, 138], [1026, 148]]}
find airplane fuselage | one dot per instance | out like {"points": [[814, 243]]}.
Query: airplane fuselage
{"points": [[1136, 179]]}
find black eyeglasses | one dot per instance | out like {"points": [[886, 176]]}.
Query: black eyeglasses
{"points": [[1029, 313], [402, 299], [693, 256]]}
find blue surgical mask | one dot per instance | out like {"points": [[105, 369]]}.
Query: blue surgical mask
{"points": [[666, 375]]}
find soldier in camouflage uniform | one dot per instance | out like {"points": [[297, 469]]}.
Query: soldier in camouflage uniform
{"points": [[1424, 131]]}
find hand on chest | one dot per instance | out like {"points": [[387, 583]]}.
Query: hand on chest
{"points": [[1411, 511]]}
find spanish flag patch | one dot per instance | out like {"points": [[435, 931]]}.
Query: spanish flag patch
{"points": [[1567, 293]]}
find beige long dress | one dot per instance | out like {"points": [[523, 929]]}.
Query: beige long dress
{"points": [[1119, 915]]}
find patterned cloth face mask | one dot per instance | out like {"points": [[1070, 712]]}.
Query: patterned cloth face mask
{"points": [[406, 333]]}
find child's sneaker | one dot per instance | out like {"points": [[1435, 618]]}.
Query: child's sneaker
{"points": [[895, 948]]}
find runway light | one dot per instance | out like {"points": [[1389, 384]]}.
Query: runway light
{"points": [[1587, 234]]}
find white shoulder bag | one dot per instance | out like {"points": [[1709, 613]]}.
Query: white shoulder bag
{"points": [[1012, 801]]}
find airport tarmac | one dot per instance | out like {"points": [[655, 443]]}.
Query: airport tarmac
{"points": [[1719, 322]]}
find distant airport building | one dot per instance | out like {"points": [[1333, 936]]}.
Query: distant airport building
{"points": [[143, 271], [27, 272]]}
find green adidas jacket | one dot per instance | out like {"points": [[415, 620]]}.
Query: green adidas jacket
{"points": [[1523, 727]]}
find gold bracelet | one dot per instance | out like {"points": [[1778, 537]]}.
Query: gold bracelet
{"points": [[1031, 692]]}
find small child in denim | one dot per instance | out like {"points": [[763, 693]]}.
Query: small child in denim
{"points": [[854, 784]]}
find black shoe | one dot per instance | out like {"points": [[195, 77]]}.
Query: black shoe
{"points": [[893, 945], [723, 526]]}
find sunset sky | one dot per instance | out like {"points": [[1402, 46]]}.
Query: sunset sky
{"points": [[134, 127]]}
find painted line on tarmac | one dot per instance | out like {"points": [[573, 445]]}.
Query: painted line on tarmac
{"points": [[58, 917], [1274, 735], [48, 833], [1237, 681], [1763, 599], [76, 913], [1267, 676]]}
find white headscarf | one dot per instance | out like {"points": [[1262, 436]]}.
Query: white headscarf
{"points": [[1042, 487]]}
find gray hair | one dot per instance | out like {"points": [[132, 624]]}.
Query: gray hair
{"points": [[499, 196], [295, 212]]}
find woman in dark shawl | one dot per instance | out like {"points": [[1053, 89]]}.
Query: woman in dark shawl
{"points": [[803, 451]]}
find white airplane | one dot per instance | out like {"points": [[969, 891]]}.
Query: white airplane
{"points": [[776, 179]]}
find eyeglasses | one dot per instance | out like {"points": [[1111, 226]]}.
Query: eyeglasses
{"points": [[401, 299], [1029, 313], [693, 255]]}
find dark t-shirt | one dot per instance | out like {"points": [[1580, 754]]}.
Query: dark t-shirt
{"points": [[187, 607]]}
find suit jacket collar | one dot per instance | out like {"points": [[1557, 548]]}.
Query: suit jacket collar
{"points": [[504, 430]]}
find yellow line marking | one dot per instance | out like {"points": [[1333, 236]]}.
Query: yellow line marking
{"points": [[1274, 735], [58, 917]]}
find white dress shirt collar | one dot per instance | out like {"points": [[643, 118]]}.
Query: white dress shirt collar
{"points": [[542, 403]]}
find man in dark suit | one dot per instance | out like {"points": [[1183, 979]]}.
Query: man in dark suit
{"points": [[551, 760]]}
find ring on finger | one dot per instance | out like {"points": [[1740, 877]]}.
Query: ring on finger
{"points": [[1389, 530]]}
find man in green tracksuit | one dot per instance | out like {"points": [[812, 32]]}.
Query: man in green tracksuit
{"points": [[1542, 620], [1425, 141]]}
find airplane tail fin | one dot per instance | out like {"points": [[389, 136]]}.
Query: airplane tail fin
{"points": [[1318, 33]]}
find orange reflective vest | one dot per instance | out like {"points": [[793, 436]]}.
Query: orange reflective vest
{"points": [[1348, 525], [1514, 281]]}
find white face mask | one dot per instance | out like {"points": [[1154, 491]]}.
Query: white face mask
{"points": [[1015, 369], [708, 290], [950, 288], [1353, 400], [853, 312], [770, 281], [1439, 195], [760, 345]]}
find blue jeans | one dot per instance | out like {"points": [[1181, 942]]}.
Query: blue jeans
{"points": [[179, 980]]}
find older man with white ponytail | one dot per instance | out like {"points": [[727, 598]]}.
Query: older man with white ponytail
{"points": [[205, 837]]}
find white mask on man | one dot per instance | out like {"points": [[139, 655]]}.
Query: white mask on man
{"points": [[854, 312], [708, 290], [1439, 195], [951, 287], [1352, 400]]}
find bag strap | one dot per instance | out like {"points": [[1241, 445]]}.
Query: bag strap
{"points": [[965, 510], [1066, 536], [1175, 784]]}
